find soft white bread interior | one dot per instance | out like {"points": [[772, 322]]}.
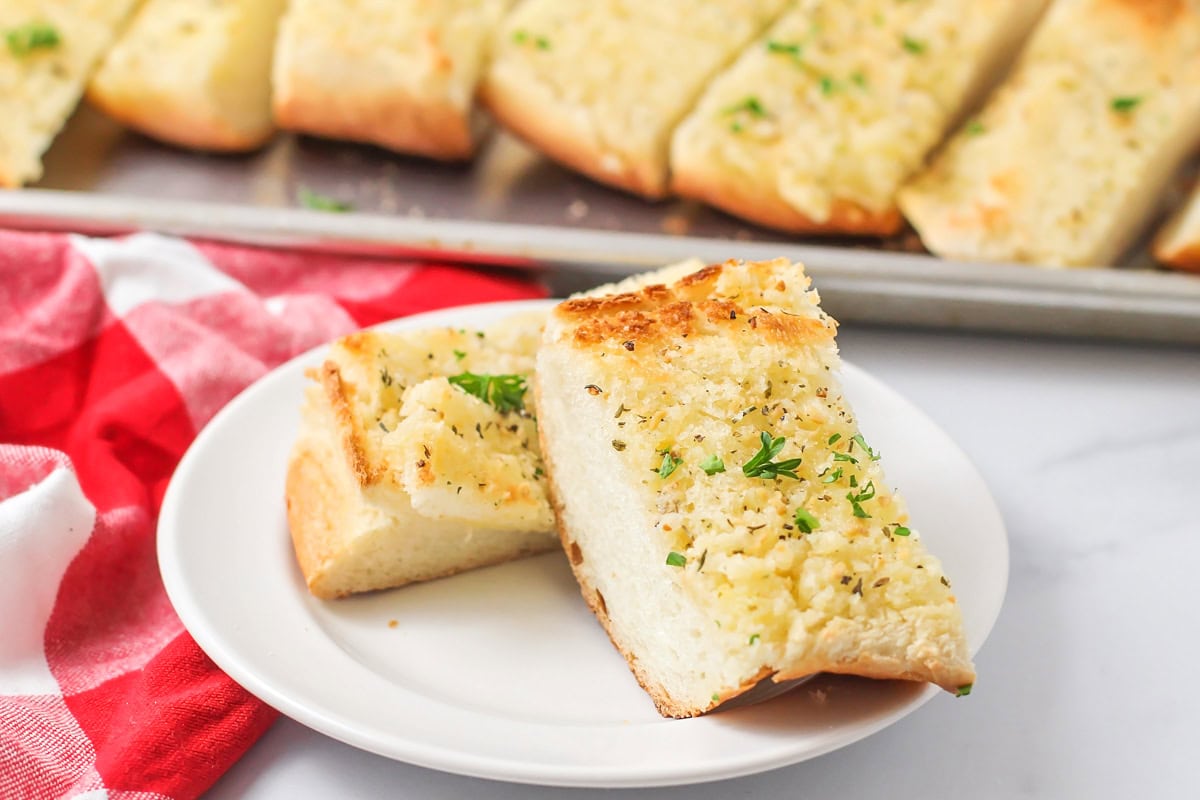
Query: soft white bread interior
{"points": [[1065, 163], [397, 73], [599, 84], [399, 475], [1178, 243], [194, 74], [817, 124], [712, 575], [48, 49]]}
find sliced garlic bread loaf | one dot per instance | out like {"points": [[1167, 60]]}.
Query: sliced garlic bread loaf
{"points": [[401, 75], [818, 124], [1065, 163], [1178, 243], [418, 458], [48, 49], [194, 74], [599, 84], [726, 521]]}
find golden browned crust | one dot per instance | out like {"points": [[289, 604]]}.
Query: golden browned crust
{"points": [[533, 117], [658, 313], [394, 119], [179, 125], [1185, 258], [726, 192], [353, 447]]}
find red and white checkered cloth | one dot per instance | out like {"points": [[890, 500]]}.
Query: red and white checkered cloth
{"points": [[113, 354]]}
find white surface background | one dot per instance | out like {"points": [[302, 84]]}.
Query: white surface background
{"points": [[1086, 684]]}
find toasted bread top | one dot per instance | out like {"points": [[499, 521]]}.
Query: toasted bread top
{"points": [[724, 407]]}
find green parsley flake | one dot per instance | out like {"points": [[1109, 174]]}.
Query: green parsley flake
{"points": [[761, 465], [542, 43], [845, 457], [974, 128], [913, 46], [320, 202], [861, 442], [858, 498], [32, 36], [505, 393], [859, 80], [751, 105], [459, 355], [900, 530], [712, 465], [806, 522], [716, 698], [964, 690], [1123, 105], [754, 637], [828, 86], [832, 477], [669, 464], [835, 438], [520, 37], [790, 48], [675, 559]]}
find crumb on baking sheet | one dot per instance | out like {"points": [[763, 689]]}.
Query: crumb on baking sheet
{"points": [[392, 623]]}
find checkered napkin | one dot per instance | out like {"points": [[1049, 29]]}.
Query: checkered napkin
{"points": [[113, 354]]}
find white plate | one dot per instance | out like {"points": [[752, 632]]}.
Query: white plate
{"points": [[503, 672]]}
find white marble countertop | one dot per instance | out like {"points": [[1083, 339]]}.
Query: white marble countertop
{"points": [[1093, 454]]}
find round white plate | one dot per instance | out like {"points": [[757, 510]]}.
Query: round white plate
{"points": [[503, 672]]}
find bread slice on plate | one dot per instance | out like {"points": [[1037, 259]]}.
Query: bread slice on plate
{"points": [[725, 519], [1178, 243], [48, 49], [194, 74], [1065, 164], [599, 84], [817, 125], [399, 74], [417, 458]]}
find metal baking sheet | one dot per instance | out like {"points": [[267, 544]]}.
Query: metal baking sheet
{"points": [[513, 208]]}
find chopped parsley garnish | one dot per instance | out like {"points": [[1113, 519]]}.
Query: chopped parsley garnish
{"points": [[712, 465], [974, 128], [832, 477], [520, 37], [503, 392], [754, 637], [716, 697], [828, 86], [806, 522], [793, 49], [861, 442], [385, 377], [750, 105], [675, 559], [845, 457], [900, 530], [761, 465], [542, 43], [1123, 105], [669, 464], [912, 45], [459, 355], [835, 438], [320, 202], [32, 36], [964, 690], [858, 498], [538, 472], [859, 80]]}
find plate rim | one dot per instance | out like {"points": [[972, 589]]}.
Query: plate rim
{"points": [[209, 639]]}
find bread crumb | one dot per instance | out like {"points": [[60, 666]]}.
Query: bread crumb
{"points": [[393, 623], [819, 696]]}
